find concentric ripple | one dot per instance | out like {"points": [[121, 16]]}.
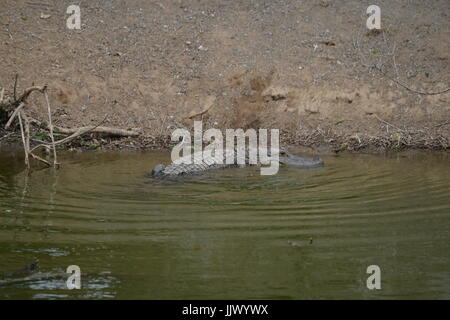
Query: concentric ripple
{"points": [[230, 233]]}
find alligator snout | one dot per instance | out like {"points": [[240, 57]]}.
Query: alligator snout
{"points": [[157, 170], [295, 161]]}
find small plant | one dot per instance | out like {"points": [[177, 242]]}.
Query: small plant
{"points": [[41, 136]]}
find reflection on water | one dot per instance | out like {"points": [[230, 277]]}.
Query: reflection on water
{"points": [[227, 234]]}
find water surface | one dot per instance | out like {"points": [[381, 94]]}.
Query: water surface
{"points": [[227, 234]]}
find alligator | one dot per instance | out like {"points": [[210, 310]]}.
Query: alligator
{"points": [[30, 273], [25, 271], [200, 163], [54, 279]]}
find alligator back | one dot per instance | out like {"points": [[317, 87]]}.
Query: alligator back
{"points": [[203, 161], [192, 164]]}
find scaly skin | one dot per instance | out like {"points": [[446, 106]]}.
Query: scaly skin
{"points": [[178, 168]]}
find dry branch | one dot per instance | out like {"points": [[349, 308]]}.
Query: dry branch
{"points": [[21, 105], [27, 161], [104, 130], [384, 74], [408, 88], [12, 103], [77, 133], [6, 103], [15, 87], [387, 123], [98, 129], [40, 159], [201, 112], [50, 125]]}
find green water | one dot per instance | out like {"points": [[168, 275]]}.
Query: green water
{"points": [[227, 234]]}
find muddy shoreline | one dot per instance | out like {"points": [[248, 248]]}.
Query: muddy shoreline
{"points": [[314, 72], [315, 142]]}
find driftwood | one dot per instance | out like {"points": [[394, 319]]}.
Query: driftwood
{"points": [[104, 130], [17, 106], [98, 129], [76, 134]]}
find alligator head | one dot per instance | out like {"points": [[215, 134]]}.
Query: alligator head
{"points": [[157, 170], [289, 159]]}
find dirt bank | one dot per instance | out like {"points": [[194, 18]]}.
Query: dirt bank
{"points": [[309, 68]]}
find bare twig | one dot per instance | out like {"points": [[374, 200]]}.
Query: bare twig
{"points": [[27, 161], [442, 124], [398, 82], [99, 129], [28, 91], [201, 112], [76, 134], [6, 135], [40, 159], [12, 102], [50, 125], [387, 123], [15, 87], [406, 87], [393, 60], [26, 123], [21, 105]]}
